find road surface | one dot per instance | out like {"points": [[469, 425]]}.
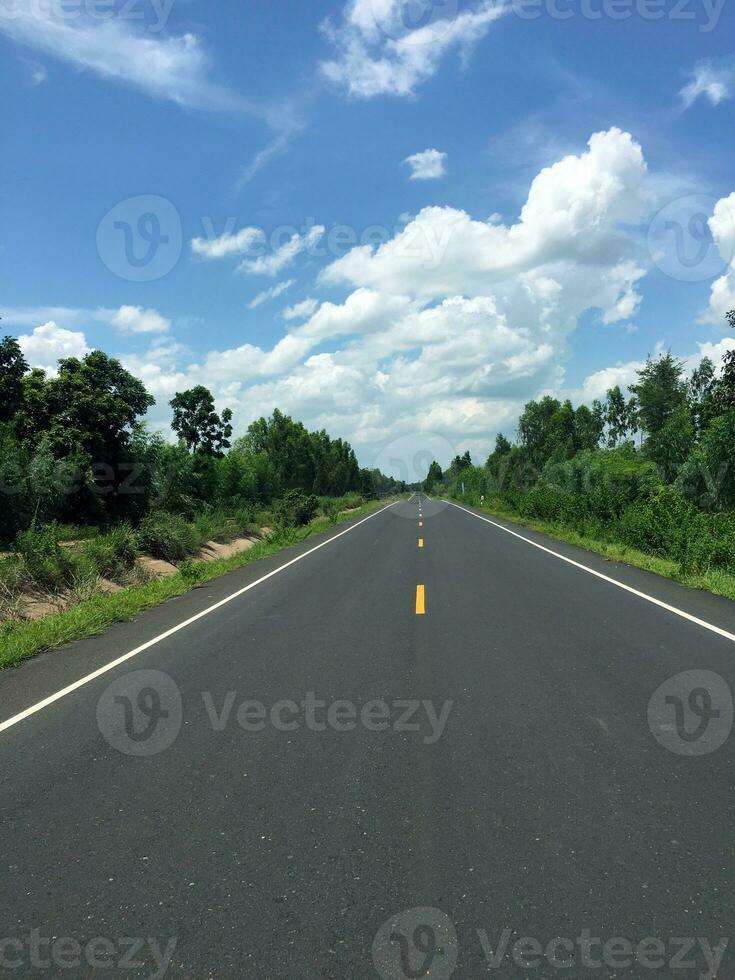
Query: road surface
{"points": [[424, 747]]}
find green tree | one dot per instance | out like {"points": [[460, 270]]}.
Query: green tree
{"points": [[616, 417], [13, 367], [670, 446], [589, 425], [701, 392], [433, 477], [197, 423], [660, 391]]}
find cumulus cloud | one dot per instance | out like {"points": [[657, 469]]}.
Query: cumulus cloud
{"points": [[453, 324], [267, 294], [169, 67], [134, 319], [271, 265], [49, 343], [708, 82], [722, 227], [427, 165], [380, 51]]}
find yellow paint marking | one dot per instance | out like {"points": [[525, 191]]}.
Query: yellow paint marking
{"points": [[420, 601], [421, 523], [421, 542]]}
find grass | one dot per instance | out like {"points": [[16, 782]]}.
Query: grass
{"points": [[25, 639], [715, 580]]}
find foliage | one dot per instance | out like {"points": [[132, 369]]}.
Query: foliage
{"points": [[167, 536], [199, 427], [296, 509], [433, 477], [13, 367]]}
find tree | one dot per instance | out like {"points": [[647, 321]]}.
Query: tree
{"points": [[589, 425], [724, 396], [13, 367], [433, 477], [670, 446], [502, 445], [701, 391], [199, 426], [616, 417], [660, 392]]}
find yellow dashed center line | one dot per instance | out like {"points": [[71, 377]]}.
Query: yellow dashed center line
{"points": [[420, 601], [421, 542]]}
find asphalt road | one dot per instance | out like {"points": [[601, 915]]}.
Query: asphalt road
{"points": [[317, 779]]}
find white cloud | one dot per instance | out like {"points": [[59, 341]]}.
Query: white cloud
{"points": [[300, 311], [427, 165], [453, 324], [227, 244], [130, 319], [722, 294], [173, 68], [273, 293], [571, 216], [709, 82], [271, 265], [49, 343], [380, 52], [134, 319], [598, 384]]}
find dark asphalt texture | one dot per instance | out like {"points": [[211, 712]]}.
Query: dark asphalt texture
{"points": [[544, 805]]}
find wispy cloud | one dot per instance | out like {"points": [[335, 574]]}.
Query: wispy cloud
{"points": [[170, 67], [301, 311], [271, 265], [273, 293], [709, 82], [128, 319], [380, 50], [227, 244]]}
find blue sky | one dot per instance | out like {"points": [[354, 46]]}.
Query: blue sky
{"points": [[399, 221]]}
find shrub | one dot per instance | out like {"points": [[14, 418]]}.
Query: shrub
{"points": [[167, 536], [112, 554], [44, 561], [661, 525], [295, 509]]}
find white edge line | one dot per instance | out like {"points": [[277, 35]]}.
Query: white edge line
{"points": [[605, 578], [175, 629]]}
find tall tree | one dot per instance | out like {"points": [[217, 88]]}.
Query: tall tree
{"points": [[13, 367], [701, 390], [660, 392], [433, 477], [197, 423], [616, 416]]}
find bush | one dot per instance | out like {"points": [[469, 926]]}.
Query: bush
{"points": [[167, 536], [660, 525], [112, 554], [295, 509], [44, 561]]}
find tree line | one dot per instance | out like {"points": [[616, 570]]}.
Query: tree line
{"points": [[74, 448], [653, 467]]}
